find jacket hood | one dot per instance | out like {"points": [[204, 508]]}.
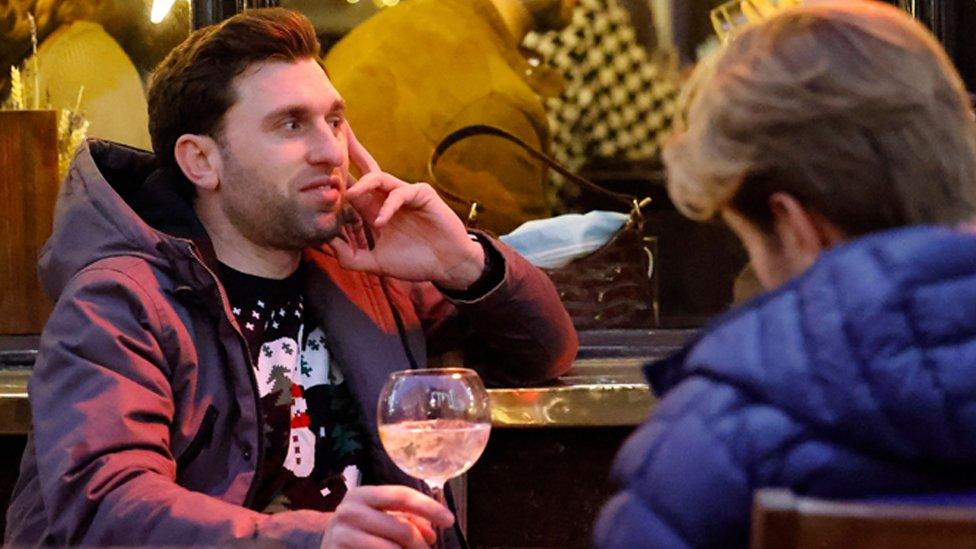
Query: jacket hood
{"points": [[874, 346], [116, 200]]}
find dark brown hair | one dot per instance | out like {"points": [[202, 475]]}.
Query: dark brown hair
{"points": [[192, 88]]}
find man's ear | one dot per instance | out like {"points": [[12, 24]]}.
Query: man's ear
{"points": [[199, 158], [805, 230]]}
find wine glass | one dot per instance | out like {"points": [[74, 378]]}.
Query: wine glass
{"points": [[434, 424]]}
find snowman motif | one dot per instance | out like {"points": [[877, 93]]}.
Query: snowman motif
{"points": [[313, 368], [300, 459]]}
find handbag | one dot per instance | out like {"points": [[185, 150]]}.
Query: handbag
{"points": [[612, 287]]}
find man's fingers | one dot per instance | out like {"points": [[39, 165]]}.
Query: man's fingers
{"points": [[376, 181], [354, 234], [352, 258], [414, 196], [358, 154], [346, 536], [392, 203], [342, 249], [376, 188], [383, 525], [421, 524], [402, 498]]}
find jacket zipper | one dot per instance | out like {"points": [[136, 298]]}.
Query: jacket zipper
{"points": [[202, 438], [259, 413]]}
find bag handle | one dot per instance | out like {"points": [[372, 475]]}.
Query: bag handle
{"points": [[483, 129]]}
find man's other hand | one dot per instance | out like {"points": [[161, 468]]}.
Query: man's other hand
{"points": [[385, 517]]}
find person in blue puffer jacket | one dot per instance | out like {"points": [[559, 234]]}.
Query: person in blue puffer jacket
{"points": [[836, 141]]}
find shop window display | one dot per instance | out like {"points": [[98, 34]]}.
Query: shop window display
{"points": [[100, 50]]}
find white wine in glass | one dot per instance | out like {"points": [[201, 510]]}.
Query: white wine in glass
{"points": [[434, 424]]}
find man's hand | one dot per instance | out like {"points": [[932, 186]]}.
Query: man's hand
{"points": [[385, 516], [416, 236]]}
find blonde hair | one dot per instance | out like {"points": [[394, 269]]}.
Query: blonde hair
{"points": [[852, 107]]}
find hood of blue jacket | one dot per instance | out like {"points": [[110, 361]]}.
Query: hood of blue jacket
{"points": [[873, 346]]}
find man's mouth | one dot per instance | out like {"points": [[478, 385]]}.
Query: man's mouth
{"points": [[322, 184], [328, 188]]}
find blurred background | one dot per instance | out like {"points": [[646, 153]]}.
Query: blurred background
{"points": [[606, 120]]}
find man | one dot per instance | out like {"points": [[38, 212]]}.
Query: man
{"points": [[426, 68], [228, 311], [836, 141]]}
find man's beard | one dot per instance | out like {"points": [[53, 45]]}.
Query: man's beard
{"points": [[269, 220]]}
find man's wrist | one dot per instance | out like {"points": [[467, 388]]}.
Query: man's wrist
{"points": [[491, 273], [467, 273]]}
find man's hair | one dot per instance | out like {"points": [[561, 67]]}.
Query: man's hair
{"points": [[851, 107], [192, 88]]}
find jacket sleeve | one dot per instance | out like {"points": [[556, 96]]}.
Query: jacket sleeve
{"points": [[682, 476], [518, 332], [102, 410]]}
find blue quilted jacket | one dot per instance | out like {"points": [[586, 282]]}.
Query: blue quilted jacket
{"points": [[856, 379]]}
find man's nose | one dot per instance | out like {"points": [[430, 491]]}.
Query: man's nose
{"points": [[327, 147]]}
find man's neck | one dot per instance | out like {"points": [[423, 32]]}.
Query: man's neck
{"points": [[516, 16], [239, 253]]}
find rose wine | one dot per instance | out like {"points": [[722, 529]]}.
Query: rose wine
{"points": [[436, 449]]}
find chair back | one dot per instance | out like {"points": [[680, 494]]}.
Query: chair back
{"points": [[783, 520]]}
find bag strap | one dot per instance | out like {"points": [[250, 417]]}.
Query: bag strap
{"points": [[483, 129]]}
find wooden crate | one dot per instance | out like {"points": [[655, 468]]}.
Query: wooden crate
{"points": [[28, 189]]}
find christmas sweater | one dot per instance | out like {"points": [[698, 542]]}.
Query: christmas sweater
{"points": [[313, 438]]}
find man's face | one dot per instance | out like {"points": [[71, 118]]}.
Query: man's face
{"points": [[553, 15], [772, 259], [285, 161]]}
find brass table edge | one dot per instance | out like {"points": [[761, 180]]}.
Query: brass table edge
{"points": [[581, 404], [14, 411]]}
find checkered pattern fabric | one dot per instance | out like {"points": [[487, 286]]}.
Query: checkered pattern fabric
{"points": [[618, 102]]}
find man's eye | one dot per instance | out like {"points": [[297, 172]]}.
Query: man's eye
{"points": [[334, 122], [292, 125]]}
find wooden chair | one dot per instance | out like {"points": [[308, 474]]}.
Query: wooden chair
{"points": [[782, 520]]}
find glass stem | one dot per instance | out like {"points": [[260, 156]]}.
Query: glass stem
{"points": [[437, 492]]}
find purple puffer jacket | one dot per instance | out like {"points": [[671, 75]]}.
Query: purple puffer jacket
{"points": [[146, 420]]}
